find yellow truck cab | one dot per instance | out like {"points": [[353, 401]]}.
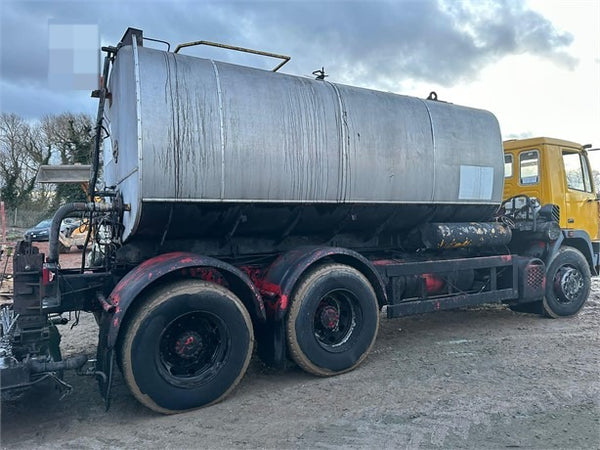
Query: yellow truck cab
{"points": [[555, 176]]}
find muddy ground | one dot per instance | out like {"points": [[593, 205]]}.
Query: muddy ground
{"points": [[478, 378]]}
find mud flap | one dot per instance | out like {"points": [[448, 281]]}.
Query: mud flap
{"points": [[272, 348], [105, 359]]}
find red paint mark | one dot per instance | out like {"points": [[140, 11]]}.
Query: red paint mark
{"points": [[506, 258], [384, 262], [433, 283], [269, 291], [116, 322], [283, 301], [206, 274], [268, 288], [117, 310]]}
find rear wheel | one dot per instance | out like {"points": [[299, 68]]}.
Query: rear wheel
{"points": [[568, 281], [531, 307], [187, 346], [333, 320]]}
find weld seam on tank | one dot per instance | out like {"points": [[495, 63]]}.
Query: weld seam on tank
{"points": [[303, 202], [433, 146], [222, 129], [138, 101], [343, 157]]}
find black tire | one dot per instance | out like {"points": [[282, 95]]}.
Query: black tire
{"points": [[530, 308], [187, 346], [568, 282], [333, 320]]}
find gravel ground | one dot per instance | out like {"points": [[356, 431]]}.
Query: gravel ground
{"points": [[478, 378]]}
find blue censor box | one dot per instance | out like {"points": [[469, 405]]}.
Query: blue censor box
{"points": [[73, 61]]}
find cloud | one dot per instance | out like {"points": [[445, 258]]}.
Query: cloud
{"points": [[378, 44], [444, 42], [522, 135], [33, 102]]}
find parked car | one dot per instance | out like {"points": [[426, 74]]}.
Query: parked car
{"points": [[40, 232]]}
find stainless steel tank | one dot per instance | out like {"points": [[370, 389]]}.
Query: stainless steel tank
{"points": [[200, 147]]}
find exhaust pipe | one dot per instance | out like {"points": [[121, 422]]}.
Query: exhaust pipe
{"points": [[72, 363]]}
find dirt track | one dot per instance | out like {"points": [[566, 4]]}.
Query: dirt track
{"points": [[479, 378]]}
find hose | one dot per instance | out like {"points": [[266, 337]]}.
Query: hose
{"points": [[65, 211]]}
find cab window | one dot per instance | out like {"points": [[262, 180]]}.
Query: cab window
{"points": [[577, 172], [508, 166], [529, 167]]}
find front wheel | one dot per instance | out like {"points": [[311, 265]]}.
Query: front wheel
{"points": [[333, 320], [186, 346], [568, 281]]}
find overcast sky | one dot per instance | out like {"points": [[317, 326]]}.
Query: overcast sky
{"points": [[535, 64]]}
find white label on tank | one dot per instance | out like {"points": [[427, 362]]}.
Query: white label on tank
{"points": [[476, 183]]}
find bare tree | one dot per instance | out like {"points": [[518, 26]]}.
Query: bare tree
{"points": [[22, 151], [70, 137], [24, 146]]}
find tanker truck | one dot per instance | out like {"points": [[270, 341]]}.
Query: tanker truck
{"points": [[247, 208]]}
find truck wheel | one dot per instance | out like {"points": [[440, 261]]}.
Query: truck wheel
{"points": [[333, 320], [568, 282], [187, 346], [531, 307]]}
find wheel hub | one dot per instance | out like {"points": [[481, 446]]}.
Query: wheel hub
{"points": [[188, 345], [330, 318], [568, 283]]}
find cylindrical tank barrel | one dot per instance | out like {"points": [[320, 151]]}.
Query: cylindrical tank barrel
{"points": [[462, 235], [196, 143]]}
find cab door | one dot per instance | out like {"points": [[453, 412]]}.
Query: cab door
{"points": [[580, 199]]}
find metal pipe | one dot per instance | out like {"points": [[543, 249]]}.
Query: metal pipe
{"points": [[238, 49], [63, 212], [106, 305], [99, 119], [74, 362]]}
